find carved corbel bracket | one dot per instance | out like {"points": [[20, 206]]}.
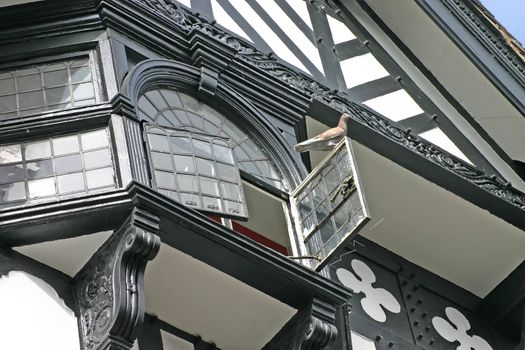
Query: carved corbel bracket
{"points": [[310, 329], [109, 289]]}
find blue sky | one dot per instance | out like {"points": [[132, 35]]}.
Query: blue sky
{"points": [[510, 13]]}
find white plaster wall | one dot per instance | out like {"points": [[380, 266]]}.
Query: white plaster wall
{"points": [[33, 317]]}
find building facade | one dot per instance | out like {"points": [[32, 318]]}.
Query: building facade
{"points": [[151, 196]]}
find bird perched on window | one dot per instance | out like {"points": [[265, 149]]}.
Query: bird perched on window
{"points": [[327, 140]]}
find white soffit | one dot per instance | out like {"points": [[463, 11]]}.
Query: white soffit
{"points": [[436, 229], [456, 72], [171, 342], [66, 255], [260, 202], [201, 300]]}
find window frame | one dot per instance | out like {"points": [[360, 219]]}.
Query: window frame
{"points": [[314, 261], [210, 139], [90, 54], [78, 130]]}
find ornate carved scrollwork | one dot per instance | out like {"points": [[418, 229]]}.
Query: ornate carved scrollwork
{"points": [[110, 287], [188, 21], [310, 329]]}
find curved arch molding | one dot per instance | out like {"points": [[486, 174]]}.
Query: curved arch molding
{"points": [[153, 73]]}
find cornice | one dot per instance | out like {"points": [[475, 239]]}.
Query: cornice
{"points": [[489, 37], [341, 102]]}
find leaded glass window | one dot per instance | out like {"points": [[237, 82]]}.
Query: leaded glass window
{"points": [[329, 207], [196, 169], [55, 168], [46, 87], [173, 109]]}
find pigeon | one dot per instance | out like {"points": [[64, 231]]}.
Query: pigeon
{"points": [[327, 140]]}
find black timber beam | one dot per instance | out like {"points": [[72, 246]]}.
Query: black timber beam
{"points": [[182, 228], [374, 88]]}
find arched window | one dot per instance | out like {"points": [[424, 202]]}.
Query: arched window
{"points": [[196, 153], [174, 109]]}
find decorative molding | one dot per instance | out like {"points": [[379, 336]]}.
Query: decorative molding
{"points": [[310, 329], [110, 287], [489, 37], [341, 102]]}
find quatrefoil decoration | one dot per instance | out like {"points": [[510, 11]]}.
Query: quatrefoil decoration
{"points": [[375, 299], [456, 330]]}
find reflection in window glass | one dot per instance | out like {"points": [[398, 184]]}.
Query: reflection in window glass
{"points": [[328, 207], [207, 179], [171, 108], [55, 168], [46, 87]]}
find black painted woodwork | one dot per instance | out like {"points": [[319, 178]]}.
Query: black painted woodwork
{"points": [[109, 289], [158, 42], [422, 295]]}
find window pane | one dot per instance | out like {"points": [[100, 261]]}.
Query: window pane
{"points": [[159, 143], [161, 161], [40, 169], [184, 164], [230, 191], [38, 149], [68, 164], [165, 179], [97, 159], [7, 103], [209, 186], [31, 99], [80, 74], [29, 82], [94, 139], [10, 154], [205, 167], [223, 153], [202, 148], [11, 173], [65, 145], [58, 95], [188, 183], [181, 144], [189, 199], [12, 192], [71, 183], [7, 86], [83, 91], [227, 172], [56, 78], [100, 178], [234, 208], [41, 188], [211, 203]]}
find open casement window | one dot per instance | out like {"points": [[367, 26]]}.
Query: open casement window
{"points": [[328, 207], [198, 170], [171, 108]]}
